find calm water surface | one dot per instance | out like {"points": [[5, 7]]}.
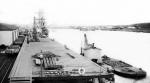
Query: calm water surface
{"points": [[131, 47]]}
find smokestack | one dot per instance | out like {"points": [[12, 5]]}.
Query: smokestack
{"points": [[81, 53], [92, 44], [85, 41]]}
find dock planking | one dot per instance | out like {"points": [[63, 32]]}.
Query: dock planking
{"points": [[24, 67]]}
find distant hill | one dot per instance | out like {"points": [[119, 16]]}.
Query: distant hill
{"points": [[142, 25], [7, 27]]}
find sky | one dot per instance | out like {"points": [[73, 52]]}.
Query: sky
{"points": [[76, 12]]}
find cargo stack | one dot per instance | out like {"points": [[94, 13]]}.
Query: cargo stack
{"points": [[50, 63], [15, 47]]}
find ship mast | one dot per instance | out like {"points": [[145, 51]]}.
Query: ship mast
{"points": [[41, 20], [35, 32]]}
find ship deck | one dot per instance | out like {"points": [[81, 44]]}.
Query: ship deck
{"points": [[25, 69]]}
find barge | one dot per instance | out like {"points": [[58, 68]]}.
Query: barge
{"points": [[124, 69]]}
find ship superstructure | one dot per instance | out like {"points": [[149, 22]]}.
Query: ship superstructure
{"points": [[39, 27], [90, 51]]}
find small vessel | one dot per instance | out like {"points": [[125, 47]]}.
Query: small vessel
{"points": [[124, 69], [116, 66]]}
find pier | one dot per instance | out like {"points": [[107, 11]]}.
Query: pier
{"points": [[25, 70]]}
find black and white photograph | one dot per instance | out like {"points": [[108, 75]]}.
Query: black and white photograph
{"points": [[74, 41]]}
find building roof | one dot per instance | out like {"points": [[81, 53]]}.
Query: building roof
{"points": [[7, 27]]}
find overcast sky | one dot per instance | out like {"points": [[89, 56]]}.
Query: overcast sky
{"points": [[76, 12]]}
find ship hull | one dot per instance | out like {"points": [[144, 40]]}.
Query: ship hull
{"points": [[135, 75], [123, 69]]}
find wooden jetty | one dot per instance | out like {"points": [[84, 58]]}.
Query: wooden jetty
{"points": [[76, 66]]}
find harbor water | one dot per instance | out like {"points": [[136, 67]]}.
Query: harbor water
{"points": [[131, 47]]}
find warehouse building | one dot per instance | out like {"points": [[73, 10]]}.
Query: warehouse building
{"points": [[8, 34]]}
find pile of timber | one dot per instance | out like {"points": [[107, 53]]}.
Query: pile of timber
{"points": [[50, 63]]}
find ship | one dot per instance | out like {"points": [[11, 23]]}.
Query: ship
{"points": [[117, 66], [39, 28]]}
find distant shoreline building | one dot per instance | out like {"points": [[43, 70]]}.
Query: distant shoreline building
{"points": [[8, 34]]}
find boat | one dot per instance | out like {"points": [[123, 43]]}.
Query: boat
{"points": [[116, 66], [124, 69]]}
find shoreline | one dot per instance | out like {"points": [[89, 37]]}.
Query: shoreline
{"points": [[128, 30]]}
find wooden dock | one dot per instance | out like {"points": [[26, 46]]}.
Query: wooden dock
{"points": [[25, 70]]}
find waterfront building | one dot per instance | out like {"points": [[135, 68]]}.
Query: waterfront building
{"points": [[8, 34]]}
